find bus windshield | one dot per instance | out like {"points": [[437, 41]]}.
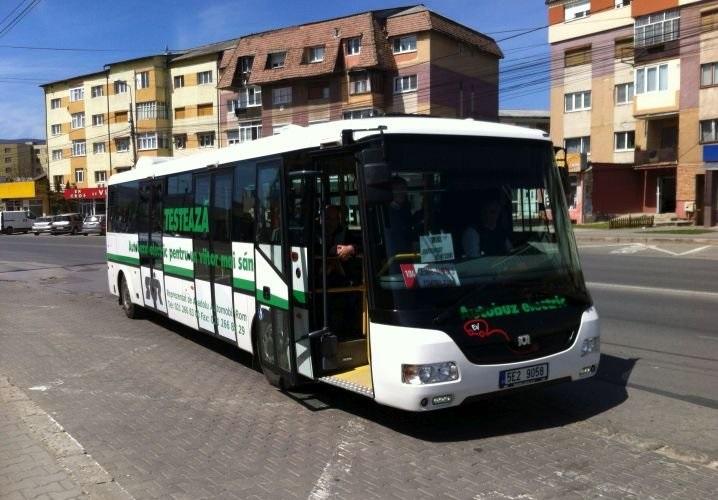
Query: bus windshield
{"points": [[471, 217]]}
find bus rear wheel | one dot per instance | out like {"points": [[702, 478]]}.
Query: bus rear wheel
{"points": [[131, 310]]}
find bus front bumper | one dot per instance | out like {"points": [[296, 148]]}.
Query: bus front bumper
{"points": [[394, 346]]}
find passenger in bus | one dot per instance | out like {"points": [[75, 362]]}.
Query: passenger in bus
{"points": [[341, 249], [490, 236], [399, 233]]}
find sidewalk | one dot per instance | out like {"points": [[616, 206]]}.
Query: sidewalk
{"points": [[40, 461], [646, 236]]}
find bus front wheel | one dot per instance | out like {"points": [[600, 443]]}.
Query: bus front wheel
{"points": [[264, 353], [130, 309]]}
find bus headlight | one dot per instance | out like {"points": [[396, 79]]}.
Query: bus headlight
{"points": [[432, 373], [590, 345]]}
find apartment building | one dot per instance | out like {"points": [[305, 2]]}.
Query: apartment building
{"points": [[22, 159], [634, 99], [392, 61], [403, 60]]}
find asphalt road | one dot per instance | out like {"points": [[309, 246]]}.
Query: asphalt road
{"points": [[171, 413]]}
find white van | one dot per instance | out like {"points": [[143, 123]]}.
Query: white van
{"points": [[16, 220]]}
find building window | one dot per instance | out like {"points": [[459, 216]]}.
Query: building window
{"points": [[205, 109], [54, 103], [205, 139], [79, 175], [142, 80], [122, 144], [657, 28], [624, 141], [245, 64], [58, 182], [405, 84], [232, 105], [120, 87], [78, 120], [77, 94], [652, 79], [576, 9], [578, 144], [709, 131], [178, 81], [276, 60], [98, 120], [576, 57], [315, 54], [232, 137], [78, 148], [204, 78], [97, 91], [624, 93], [359, 83], [281, 95], [147, 140], [56, 129], [8, 159], [577, 101], [98, 147], [709, 74], [355, 114], [100, 176], [151, 110], [250, 131], [404, 44], [57, 154], [318, 91], [622, 3], [623, 49], [180, 141], [180, 113], [709, 20], [120, 116], [250, 97], [353, 46]]}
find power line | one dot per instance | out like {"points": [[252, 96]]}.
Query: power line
{"points": [[19, 17]]}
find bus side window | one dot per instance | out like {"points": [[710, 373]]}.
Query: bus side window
{"points": [[243, 203]]}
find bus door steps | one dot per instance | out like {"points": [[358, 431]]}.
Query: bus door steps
{"points": [[356, 380]]}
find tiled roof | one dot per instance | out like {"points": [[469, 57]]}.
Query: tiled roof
{"points": [[203, 50]]}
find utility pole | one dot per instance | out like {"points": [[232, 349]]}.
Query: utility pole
{"points": [[132, 133]]}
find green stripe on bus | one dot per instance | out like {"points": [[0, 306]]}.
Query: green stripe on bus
{"points": [[179, 271], [299, 296], [273, 300], [123, 259], [246, 285]]}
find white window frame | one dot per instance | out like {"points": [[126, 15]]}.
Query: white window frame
{"points": [[712, 72], [122, 144], [205, 139], [660, 27], [146, 141], [576, 9], [78, 120], [353, 46], [273, 60], [100, 175], [79, 175], [79, 147], [404, 84], [55, 103], [245, 64], [150, 110], [97, 91], [404, 44], [99, 148], [316, 54], [98, 120], [233, 137], [178, 79], [580, 101], [629, 93], [56, 154], [712, 130], [77, 94], [250, 131], [179, 141], [281, 96], [584, 141], [621, 143], [56, 129], [120, 86], [142, 80], [250, 97], [622, 3], [360, 85], [642, 83], [356, 114], [205, 77]]}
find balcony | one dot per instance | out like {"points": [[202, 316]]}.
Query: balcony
{"points": [[656, 156]]}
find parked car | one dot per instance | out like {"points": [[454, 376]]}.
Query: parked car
{"points": [[16, 220], [42, 224], [94, 224], [66, 223]]}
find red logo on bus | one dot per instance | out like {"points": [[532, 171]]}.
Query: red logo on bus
{"points": [[480, 328]]}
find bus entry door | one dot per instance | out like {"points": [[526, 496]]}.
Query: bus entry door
{"points": [[150, 244]]}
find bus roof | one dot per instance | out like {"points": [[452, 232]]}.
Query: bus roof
{"points": [[296, 138]]}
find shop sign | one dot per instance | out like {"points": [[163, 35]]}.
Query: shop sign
{"points": [[99, 193]]}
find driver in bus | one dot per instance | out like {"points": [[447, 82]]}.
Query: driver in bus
{"points": [[489, 236]]}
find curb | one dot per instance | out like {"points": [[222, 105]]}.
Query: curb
{"points": [[644, 240]]}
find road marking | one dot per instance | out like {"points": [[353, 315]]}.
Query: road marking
{"points": [[652, 290], [603, 245], [706, 337], [634, 248], [340, 463]]}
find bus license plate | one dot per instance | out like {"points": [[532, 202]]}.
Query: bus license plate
{"points": [[521, 376]]}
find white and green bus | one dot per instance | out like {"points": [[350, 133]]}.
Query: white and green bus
{"points": [[420, 262]]}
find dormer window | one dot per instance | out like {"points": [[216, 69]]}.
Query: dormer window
{"points": [[245, 64], [353, 46], [315, 54], [276, 60], [404, 44]]}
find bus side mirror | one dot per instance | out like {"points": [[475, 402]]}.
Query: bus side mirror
{"points": [[377, 177]]}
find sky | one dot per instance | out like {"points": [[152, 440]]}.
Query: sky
{"points": [[58, 39]]}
